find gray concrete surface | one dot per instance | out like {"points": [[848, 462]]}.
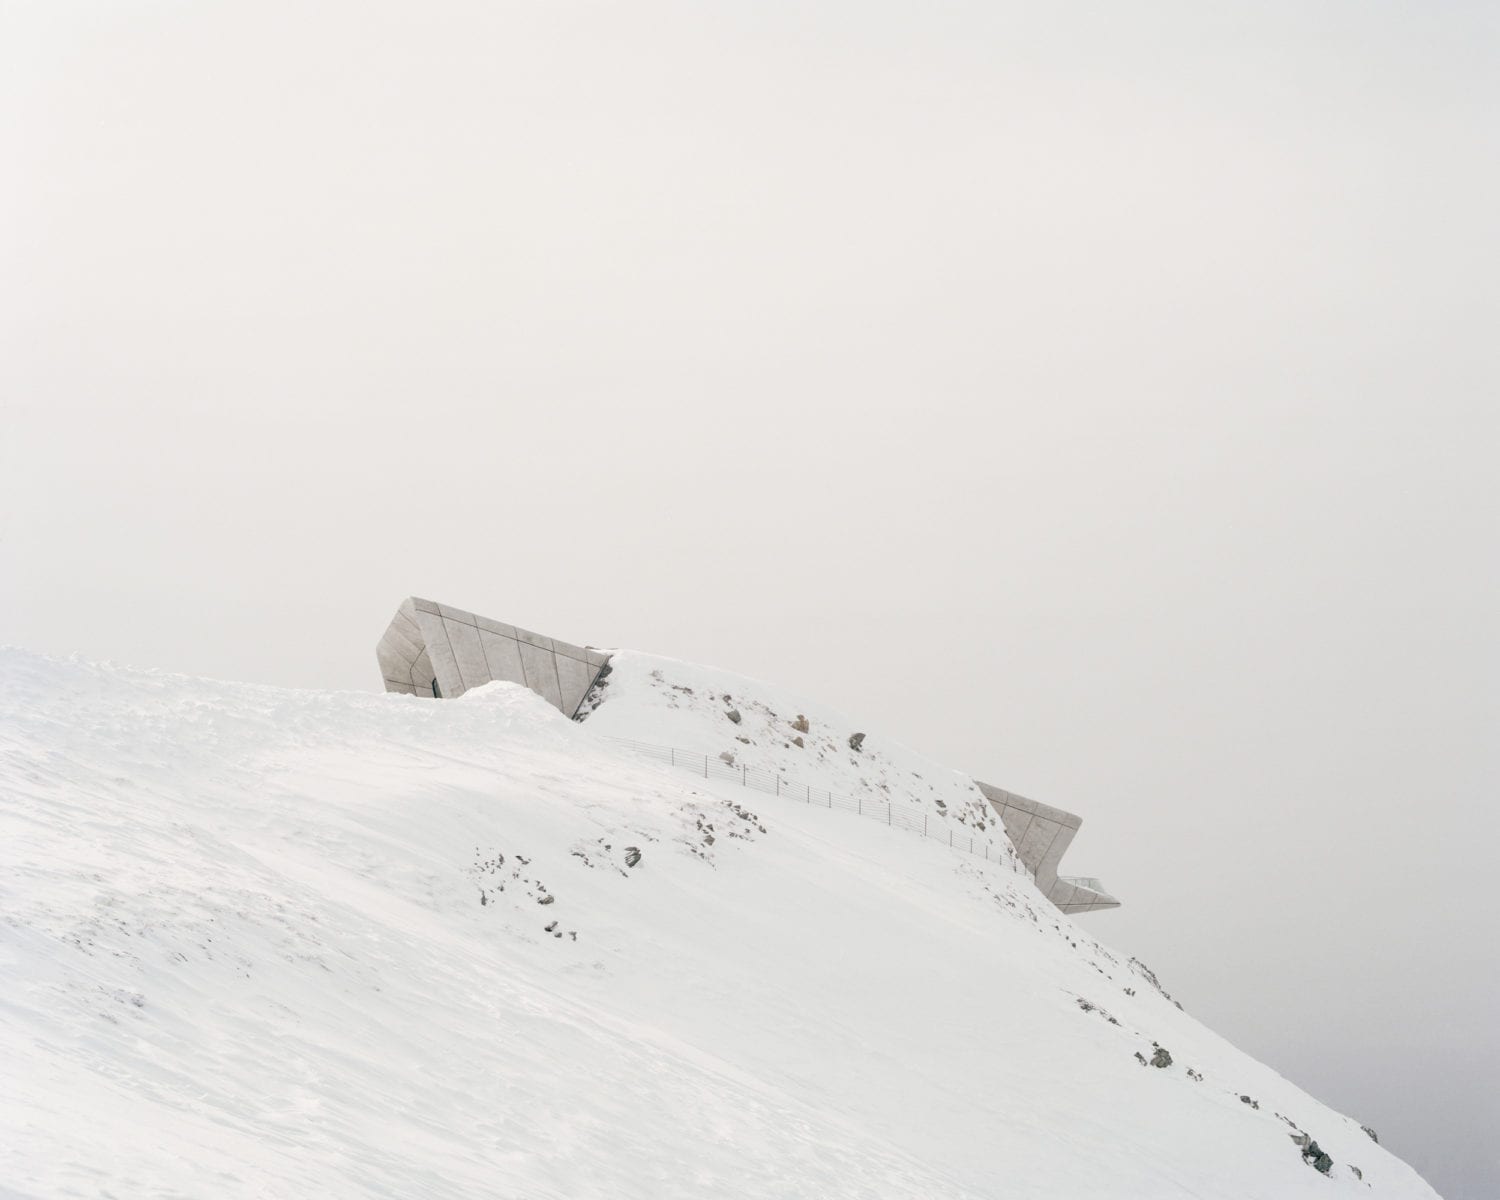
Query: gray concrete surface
{"points": [[1040, 834], [429, 645]]}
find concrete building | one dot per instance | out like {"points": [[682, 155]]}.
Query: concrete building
{"points": [[1040, 834], [436, 650]]}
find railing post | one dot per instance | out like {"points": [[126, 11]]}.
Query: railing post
{"points": [[950, 839], [924, 824], [887, 812], [673, 753], [860, 800], [705, 766]]}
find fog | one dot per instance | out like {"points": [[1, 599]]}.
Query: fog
{"points": [[1100, 398]]}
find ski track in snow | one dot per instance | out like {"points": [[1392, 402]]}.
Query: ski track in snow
{"points": [[263, 942]]}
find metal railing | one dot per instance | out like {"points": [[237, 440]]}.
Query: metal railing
{"points": [[898, 816]]}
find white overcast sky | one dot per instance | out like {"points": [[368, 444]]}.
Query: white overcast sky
{"points": [[1101, 397]]}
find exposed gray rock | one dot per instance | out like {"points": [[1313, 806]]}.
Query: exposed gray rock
{"points": [[734, 715], [546, 899], [800, 724], [1250, 1102], [856, 740], [632, 855], [1371, 1132], [1312, 1153], [1162, 1058], [798, 742]]}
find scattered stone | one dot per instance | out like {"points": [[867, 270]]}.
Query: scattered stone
{"points": [[550, 926], [727, 756], [800, 725], [1162, 1058], [734, 715], [632, 855], [1195, 1076], [797, 741], [1140, 1058], [1358, 1174], [1312, 1153], [1250, 1102], [856, 740], [1371, 1132], [547, 899], [740, 737]]}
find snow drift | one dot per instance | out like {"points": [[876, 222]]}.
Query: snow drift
{"points": [[261, 942]]}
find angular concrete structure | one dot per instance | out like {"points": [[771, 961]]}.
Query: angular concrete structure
{"points": [[1040, 834], [433, 649]]}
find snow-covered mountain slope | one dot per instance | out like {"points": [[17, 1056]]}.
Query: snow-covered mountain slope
{"points": [[741, 721], [260, 942]]}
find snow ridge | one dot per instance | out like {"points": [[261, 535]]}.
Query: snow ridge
{"points": [[268, 942]]}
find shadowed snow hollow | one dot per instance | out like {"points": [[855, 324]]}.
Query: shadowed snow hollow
{"points": [[261, 942]]}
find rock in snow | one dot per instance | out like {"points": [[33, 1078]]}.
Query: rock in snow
{"points": [[241, 957]]}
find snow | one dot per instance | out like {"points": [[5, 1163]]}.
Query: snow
{"points": [[646, 698], [262, 942]]}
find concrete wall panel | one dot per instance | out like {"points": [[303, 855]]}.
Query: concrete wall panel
{"points": [[568, 650], [504, 656], [574, 678], [440, 653], [534, 639], [541, 673], [499, 627], [468, 651], [1038, 840], [421, 672]]}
